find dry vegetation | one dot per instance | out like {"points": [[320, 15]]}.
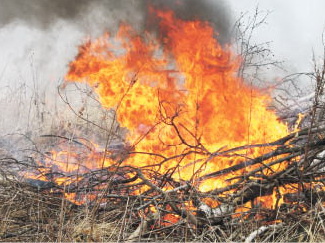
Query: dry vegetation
{"points": [[35, 211]]}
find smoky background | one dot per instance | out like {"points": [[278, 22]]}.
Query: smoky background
{"points": [[38, 39]]}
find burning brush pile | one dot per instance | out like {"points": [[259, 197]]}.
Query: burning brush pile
{"points": [[204, 158]]}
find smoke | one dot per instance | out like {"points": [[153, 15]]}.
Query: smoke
{"points": [[214, 12], [41, 12], [38, 39], [108, 13]]}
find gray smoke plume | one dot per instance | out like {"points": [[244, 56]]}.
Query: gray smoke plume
{"points": [[44, 13], [40, 12], [215, 12]]}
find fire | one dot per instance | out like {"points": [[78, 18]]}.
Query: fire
{"points": [[178, 95], [175, 92]]}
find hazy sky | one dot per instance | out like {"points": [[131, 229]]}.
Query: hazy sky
{"points": [[295, 28]]}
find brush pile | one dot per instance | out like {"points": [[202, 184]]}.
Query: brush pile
{"points": [[128, 203]]}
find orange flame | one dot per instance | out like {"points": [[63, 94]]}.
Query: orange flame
{"points": [[179, 97], [177, 92]]}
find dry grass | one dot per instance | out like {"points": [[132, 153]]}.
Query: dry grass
{"points": [[28, 214]]}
